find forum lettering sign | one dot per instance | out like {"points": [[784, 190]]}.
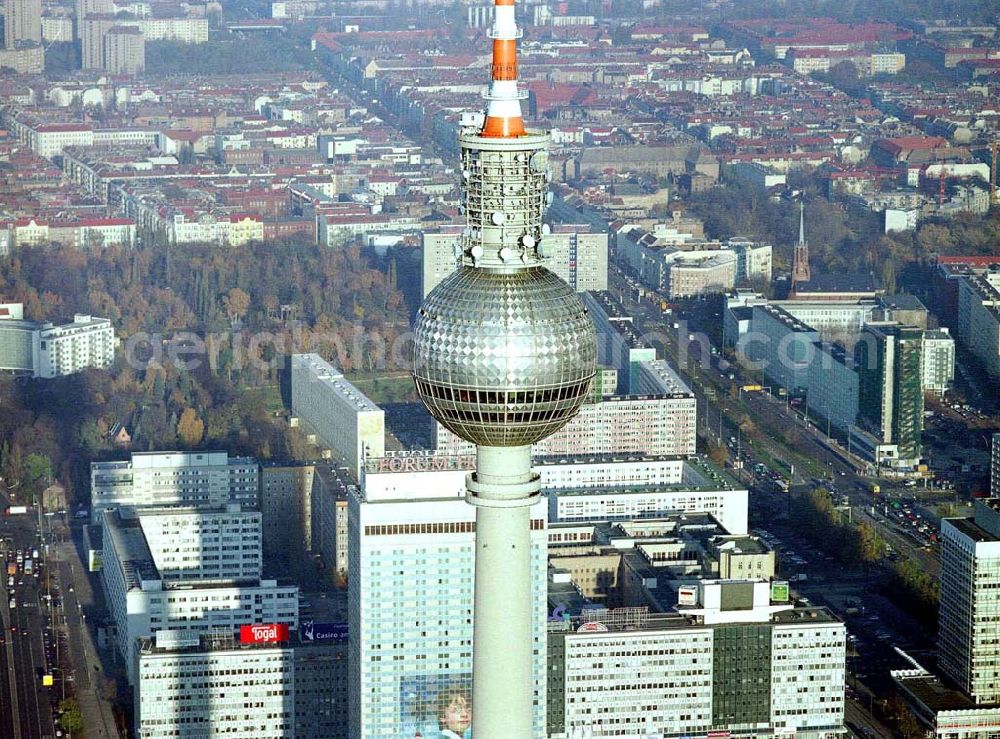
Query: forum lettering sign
{"points": [[420, 463]]}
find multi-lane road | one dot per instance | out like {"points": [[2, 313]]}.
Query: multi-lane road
{"points": [[27, 706]]}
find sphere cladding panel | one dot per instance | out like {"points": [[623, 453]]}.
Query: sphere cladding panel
{"points": [[503, 358]]}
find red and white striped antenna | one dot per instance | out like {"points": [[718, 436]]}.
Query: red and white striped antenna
{"points": [[503, 114]]}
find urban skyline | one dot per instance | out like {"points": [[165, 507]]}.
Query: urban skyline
{"points": [[499, 370]]}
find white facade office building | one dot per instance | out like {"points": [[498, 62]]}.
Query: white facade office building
{"points": [[732, 661], [142, 600], [173, 478], [968, 652], [593, 488], [410, 602], [938, 361], [202, 543], [700, 488], [341, 415], [190, 684], [46, 350], [653, 425]]}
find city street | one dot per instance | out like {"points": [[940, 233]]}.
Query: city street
{"points": [[24, 660]]}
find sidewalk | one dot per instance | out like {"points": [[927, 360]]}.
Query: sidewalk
{"points": [[98, 718]]}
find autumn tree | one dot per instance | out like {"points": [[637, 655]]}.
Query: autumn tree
{"points": [[236, 302], [190, 428]]}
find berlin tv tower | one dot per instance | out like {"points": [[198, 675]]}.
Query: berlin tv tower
{"points": [[504, 354]]}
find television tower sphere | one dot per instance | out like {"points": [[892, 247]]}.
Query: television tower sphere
{"points": [[503, 358]]}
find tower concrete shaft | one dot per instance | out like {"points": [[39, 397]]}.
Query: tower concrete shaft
{"points": [[504, 354], [503, 488]]}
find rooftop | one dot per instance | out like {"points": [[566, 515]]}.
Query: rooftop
{"points": [[859, 282], [125, 536], [902, 301], [783, 316], [931, 692], [326, 373], [971, 529], [670, 382]]}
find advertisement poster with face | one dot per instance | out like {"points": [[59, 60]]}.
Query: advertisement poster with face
{"points": [[436, 707]]}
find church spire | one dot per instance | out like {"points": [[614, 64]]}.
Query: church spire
{"points": [[800, 255]]}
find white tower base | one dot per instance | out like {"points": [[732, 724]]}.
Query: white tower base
{"points": [[502, 488]]}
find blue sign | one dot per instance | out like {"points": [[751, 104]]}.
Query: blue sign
{"points": [[313, 631]]}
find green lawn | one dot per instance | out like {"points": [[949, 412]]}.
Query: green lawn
{"points": [[395, 388]]}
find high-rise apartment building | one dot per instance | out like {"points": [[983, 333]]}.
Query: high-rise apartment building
{"points": [[575, 253], [304, 507], [173, 478], [968, 651], [341, 415], [91, 29], [204, 543], [619, 345], [654, 425], [97, 22], [85, 343], [410, 602], [578, 255], [438, 254], [124, 50], [736, 658], [143, 599], [285, 506], [889, 361], [22, 22], [939, 361], [329, 511], [47, 350], [93, 7]]}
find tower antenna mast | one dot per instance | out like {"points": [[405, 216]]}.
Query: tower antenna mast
{"points": [[504, 354]]}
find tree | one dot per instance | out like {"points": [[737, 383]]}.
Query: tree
{"points": [[718, 454], [190, 428], [71, 719], [236, 303], [870, 545], [37, 467]]}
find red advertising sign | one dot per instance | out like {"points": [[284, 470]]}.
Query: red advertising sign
{"points": [[263, 633]]}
